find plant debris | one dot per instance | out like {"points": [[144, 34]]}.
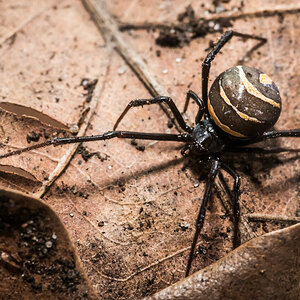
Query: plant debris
{"points": [[89, 86], [34, 256], [185, 30]]}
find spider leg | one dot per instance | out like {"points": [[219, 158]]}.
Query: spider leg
{"points": [[236, 206], [160, 99], [190, 94], [201, 216], [211, 55], [106, 136], [184, 150], [261, 150], [273, 135]]}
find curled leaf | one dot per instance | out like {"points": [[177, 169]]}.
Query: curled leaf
{"points": [[37, 258], [28, 112], [264, 268], [15, 171]]}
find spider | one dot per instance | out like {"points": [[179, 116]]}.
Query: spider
{"points": [[242, 105]]}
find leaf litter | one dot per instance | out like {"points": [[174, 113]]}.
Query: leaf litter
{"points": [[112, 252]]}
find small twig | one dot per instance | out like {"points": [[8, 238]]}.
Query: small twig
{"points": [[265, 217], [200, 27], [65, 160], [248, 54], [14, 31], [221, 17], [110, 30]]}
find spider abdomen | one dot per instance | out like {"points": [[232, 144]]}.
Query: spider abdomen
{"points": [[244, 102]]}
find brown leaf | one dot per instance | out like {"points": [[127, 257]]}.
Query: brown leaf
{"points": [[28, 112], [17, 172], [37, 258], [264, 268], [130, 214]]}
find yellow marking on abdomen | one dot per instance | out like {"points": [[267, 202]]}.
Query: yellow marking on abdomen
{"points": [[221, 125], [242, 115], [265, 79], [253, 91]]}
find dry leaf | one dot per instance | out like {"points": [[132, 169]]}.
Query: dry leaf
{"points": [[264, 268], [28, 112], [37, 258], [130, 213]]}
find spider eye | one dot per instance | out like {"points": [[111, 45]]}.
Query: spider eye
{"points": [[244, 102]]}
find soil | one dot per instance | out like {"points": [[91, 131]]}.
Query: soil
{"points": [[34, 258]]}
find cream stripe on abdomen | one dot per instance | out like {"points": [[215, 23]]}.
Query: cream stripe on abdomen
{"points": [[253, 91], [242, 115], [221, 125]]}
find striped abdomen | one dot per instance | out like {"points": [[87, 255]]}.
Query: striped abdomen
{"points": [[244, 102]]}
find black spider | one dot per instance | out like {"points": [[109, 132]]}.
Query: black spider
{"points": [[243, 104]]}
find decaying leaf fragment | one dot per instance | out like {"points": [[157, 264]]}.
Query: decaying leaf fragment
{"points": [[266, 267], [37, 259], [29, 112], [17, 172]]}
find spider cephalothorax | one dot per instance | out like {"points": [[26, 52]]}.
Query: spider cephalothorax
{"points": [[206, 139], [243, 105]]}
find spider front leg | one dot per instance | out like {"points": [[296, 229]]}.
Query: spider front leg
{"points": [[211, 55], [106, 136], [190, 94], [201, 216], [160, 99]]}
